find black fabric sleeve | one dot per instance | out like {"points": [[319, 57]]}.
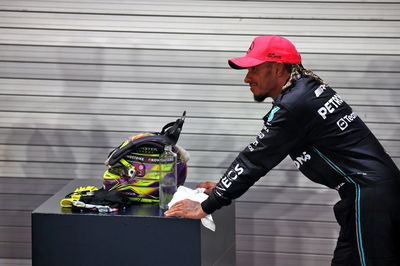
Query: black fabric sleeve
{"points": [[278, 136]]}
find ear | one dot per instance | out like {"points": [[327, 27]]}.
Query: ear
{"points": [[280, 69]]}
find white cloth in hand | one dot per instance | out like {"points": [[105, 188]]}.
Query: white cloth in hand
{"points": [[195, 195]]}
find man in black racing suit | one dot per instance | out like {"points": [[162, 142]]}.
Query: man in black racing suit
{"points": [[328, 143]]}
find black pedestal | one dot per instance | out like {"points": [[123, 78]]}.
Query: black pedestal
{"points": [[137, 236]]}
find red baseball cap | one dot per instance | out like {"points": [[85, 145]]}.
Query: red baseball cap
{"points": [[271, 48]]}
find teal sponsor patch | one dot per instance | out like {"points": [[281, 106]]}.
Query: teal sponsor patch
{"points": [[272, 113]]}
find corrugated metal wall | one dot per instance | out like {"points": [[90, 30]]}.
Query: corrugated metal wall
{"points": [[78, 77]]}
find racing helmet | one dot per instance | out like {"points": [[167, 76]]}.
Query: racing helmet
{"points": [[134, 166]]}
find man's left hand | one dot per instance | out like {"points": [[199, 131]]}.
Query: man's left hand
{"points": [[186, 208]]}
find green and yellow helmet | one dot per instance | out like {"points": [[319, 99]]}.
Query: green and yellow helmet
{"points": [[134, 166]]}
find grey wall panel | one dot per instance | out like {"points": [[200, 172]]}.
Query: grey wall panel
{"points": [[21, 202], [15, 250], [191, 41], [166, 75], [286, 228], [124, 90], [316, 9], [184, 58], [29, 185], [91, 90], [67, 68], [38, 120], [59, 170], [293, 212], [15, 262], [197, 25], [287, 259], [278, 244], [291, 195], [15, 218], [15, 234], [153, 107]]}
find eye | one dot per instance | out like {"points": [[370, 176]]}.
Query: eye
{"points": [[252, 69]]}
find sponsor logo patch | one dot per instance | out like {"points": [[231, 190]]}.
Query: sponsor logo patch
{"points": [[344, 122], [330, 106], [320, 90], [272, 113], [300, 160], [232, 175]]}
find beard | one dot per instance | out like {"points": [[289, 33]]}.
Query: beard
{"points": [[259, 98]]}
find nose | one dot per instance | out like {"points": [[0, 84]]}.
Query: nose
{"points": [[247, 77]]}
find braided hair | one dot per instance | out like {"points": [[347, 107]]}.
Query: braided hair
{"points": [[296, 71]]}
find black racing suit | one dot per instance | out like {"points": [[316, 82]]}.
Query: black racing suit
{"points": [[330, 145]]}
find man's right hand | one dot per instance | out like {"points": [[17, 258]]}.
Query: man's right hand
{"points": [[208, 186]]}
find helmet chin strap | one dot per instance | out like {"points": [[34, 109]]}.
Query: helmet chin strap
{"points": [[169, 136]]}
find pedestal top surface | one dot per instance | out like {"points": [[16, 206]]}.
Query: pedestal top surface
{"points": [[52, 205]]}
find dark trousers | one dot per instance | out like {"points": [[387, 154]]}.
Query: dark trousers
{"points": [[369, 222]]}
